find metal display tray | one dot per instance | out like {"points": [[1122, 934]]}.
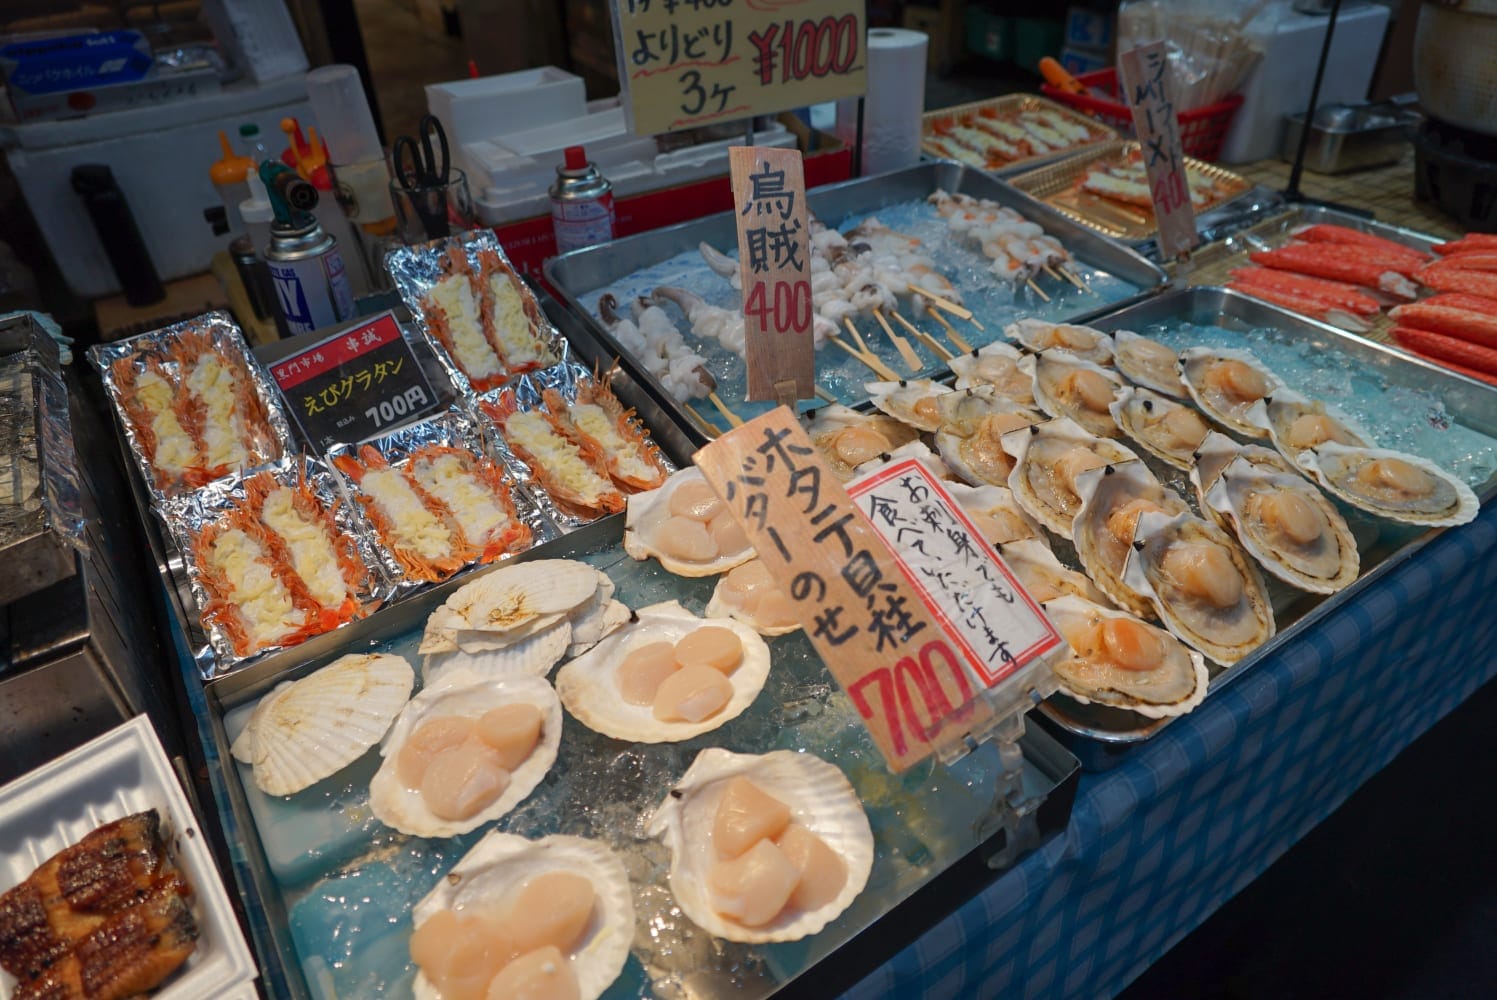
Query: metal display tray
{"points": [[581, 272], [1016, 103], [1097, 734]]}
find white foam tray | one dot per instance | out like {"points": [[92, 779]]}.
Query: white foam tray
{"points": [[122, 772]]}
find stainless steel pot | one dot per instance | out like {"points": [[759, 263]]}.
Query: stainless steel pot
{"points": [[1455, 62]]}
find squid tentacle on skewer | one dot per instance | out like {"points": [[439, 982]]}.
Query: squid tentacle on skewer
{"points": [[662, 351]]}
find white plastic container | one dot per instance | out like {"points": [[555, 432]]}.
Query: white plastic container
{"points": [[472, 110]]}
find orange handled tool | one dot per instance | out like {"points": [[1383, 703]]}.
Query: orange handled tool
{"points": [[1055, 74]]}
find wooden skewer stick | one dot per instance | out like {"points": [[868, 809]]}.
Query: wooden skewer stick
{"points": [[924, 338], [733, 419], [959, 311], [911, 359], [1052, 272], [857, 338], [1074, 279], [707, 427], [1036, 289], [824, 395], [951, 334], [872, 363]]}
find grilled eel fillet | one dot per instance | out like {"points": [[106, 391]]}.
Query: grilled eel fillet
{"points": [[104, 918]]}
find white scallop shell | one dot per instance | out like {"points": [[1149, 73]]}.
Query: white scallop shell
{"points": [[646, 511], [820, 798], [589, 688], [831, 421], [995, 503], [1102, 555], [309, 729], [1035, 334], [1303, 568], [1332, 464], [1154, 534], [533, 656], [966, 411], [1043, 575], [1134, 410], [1034, 485], [1250, 420], [1049, 369], [914, 449], [499, 863], [508, 604], [1138, 368], [1131, 688], [898, 399], [1286, 406], [1219, 451], [598, 617], [1015, 380], [722, 606], [462, 693]]}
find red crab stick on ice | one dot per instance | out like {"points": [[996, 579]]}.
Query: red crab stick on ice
{"points": [[1478, 328], [1312, 308], [1326, 233], [1305, 258], [1468, 359]]}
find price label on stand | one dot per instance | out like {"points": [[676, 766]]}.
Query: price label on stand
{"points": [[769, 201], [358, 383], [685, 63], [1144, 76], [902, 648]]}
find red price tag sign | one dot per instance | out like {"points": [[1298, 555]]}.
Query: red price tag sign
{"points": [[769, 199], [1144, 77], [903, 648]]}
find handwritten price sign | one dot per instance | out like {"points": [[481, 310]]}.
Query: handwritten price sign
{"points": [[1144, 73], [686, 63]]}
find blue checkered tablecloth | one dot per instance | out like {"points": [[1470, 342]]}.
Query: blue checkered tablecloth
{"points": [[1187, 820]]}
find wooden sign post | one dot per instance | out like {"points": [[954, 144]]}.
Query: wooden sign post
{"points": [[686, 63], [774, 262], [918, 679], [1143, 74]]}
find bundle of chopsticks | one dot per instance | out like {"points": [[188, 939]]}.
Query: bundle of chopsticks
{"points": [[1210, 48]]}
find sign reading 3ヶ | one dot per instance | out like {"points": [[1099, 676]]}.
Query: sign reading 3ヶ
{"points": [[685, 63]]}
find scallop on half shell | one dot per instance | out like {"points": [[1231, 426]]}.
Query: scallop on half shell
{"points": [[1219, 451], [1067, 386], [1000, 365], [1047, 459], [685, 526], [913, 401], [1117, 660], [1288, 526], [1297, 423], [1081, 341], [1164, 428], [309, 729], [487, 890], [1043, 575], [1229, 387], [1202, 585], [591, 686], [816, 799], [750, 595], [995, 513], [1147, 363], [460, 695], [1392, 484], [1112, 500], [970, 438], [847, 438]]}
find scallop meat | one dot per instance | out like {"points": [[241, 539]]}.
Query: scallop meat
{"points": [[1392, 484], [1067, 386], [1147, 364], [913, 401], [970, 438], [1112, 500], [1230, 387], [1169, 430], [1001, 366], [1081, 341], [1296, 423], [750, 595], [1219, 451], [764, 848], [1115, 659], [847, 438], [1047, 459], [1043, 575], [686, 527]]}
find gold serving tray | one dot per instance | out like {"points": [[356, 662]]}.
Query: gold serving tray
{"points": [[1056, 185], [1015, 104]]}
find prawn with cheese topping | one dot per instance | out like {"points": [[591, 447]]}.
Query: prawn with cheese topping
{"points": [[417, 527], [148, 396], [511, 318], [569, 466], [633, 460], [474, 490], [454, 315], [307, 539], [253, 598]]}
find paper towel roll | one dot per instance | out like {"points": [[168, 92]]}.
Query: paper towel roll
{"points": [[894, 102]]}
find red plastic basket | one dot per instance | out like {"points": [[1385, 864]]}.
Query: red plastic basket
{"points": [[1201, 129]]}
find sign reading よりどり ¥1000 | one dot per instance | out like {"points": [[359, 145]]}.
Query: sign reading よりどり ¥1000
{"points": [[685, 63]]}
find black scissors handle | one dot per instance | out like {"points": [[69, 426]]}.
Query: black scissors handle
{"points": [[419, 163]]}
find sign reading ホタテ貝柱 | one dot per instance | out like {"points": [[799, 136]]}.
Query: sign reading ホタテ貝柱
{"points": [[685, 63]]}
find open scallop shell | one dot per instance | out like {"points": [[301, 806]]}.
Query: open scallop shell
{"points": [[597, 618], [651, 525], [1111, 500], [1043, 575], [1164, 428], [588, 685], [730, 600], [820, 798], [1176, 686], [1226, 635], [1322, 565], [912, 401], [1147, 363], [914, 449], [501, 862], [995, 512], [1055, 375], [310, 729], [462, 693], [970, 438], [1297, 423], [1245, 416], [847, 438], [508, 605], [1219, 451], [533, 656], [1081, 341], [1045, 463], [1000, 365], [1336, 467]]}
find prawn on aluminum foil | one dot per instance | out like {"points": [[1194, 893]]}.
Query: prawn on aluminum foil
{"points": [[165, 421], [234, 430], [417, 528], [454, 308], [633, 460], [475, 491], [511, 317], [567, 464]]}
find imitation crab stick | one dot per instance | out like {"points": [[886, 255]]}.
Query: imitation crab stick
{"points": [[1468, 359], [1481, 283], [1463, 300], [1479, 260], [1478, 328], [1333, 293], [1326, 233], [1471, 241], [1314, 308], [1305, 258]]}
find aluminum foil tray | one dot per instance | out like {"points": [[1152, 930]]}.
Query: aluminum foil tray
{"points": [[1450, 419], [1012, 104]]}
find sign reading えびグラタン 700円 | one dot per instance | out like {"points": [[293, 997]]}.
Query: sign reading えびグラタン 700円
{"points": [[684, 63]]}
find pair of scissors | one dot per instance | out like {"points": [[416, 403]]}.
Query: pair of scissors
{"points": [[423, 169]]}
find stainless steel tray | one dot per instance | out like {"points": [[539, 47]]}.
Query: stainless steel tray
{"points": [[1097, 733], [1016, 103], [583, 272]]}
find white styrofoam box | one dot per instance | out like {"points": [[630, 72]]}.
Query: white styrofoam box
{"points": [[473, 110], [1280, 83], [118, 774], [160, 158], [262, 34]]}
